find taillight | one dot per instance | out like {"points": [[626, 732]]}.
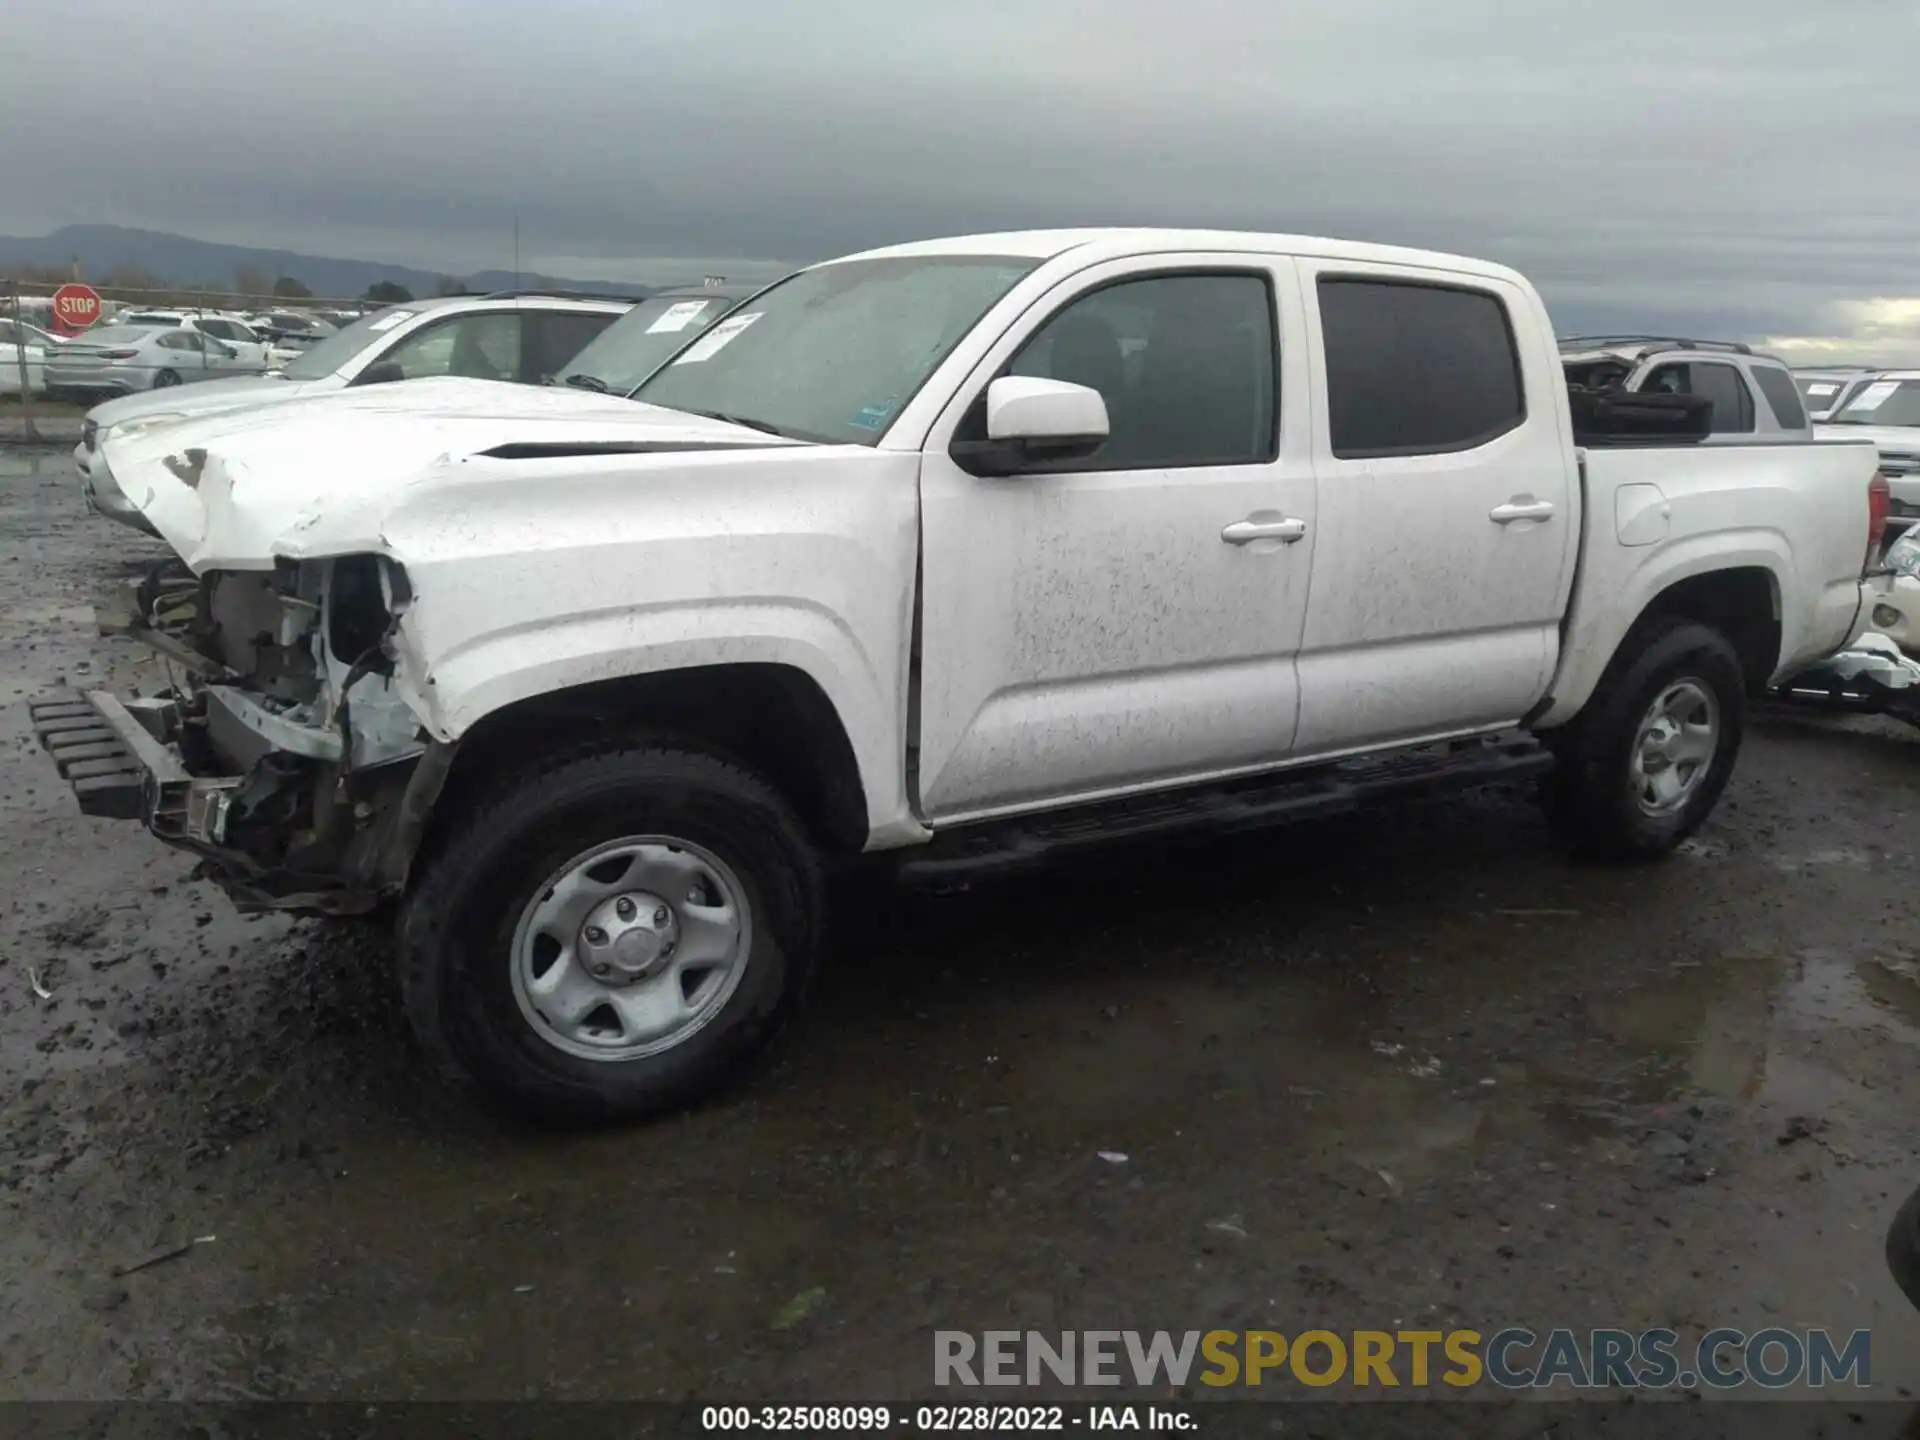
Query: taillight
{"points": [[1879, 502], [118, 354]]}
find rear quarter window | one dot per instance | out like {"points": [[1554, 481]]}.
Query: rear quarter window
{"points": [[1783, 396], [1416, 368]]}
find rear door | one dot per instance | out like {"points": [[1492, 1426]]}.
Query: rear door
{"points": [[183, 352], [1447, 519]]}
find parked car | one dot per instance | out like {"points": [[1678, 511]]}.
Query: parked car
{"points": [[953, 556], [1825, 391], [639, 342], [1754, 397], [14, 332], [130, 359], [19, 343], [523, 337], [1886, 410], [232, 331], [302, 326]]}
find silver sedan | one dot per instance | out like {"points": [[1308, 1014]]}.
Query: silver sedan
{"points": [[127, 359]]}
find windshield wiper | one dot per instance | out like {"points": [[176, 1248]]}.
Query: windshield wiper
{"points": [[762, 426], [588, 382]]}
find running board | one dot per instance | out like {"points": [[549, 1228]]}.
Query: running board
{"points": [[993, 847]]}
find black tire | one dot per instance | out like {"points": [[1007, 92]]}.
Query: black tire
{"points": [[1589, 797], [164, 378], [1903, 1249], [456, 926]]}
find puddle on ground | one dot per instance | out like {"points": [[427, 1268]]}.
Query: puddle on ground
{"points": [[1894, 985]]}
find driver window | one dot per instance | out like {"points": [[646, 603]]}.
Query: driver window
{"points": [[1184, 362], [479, 347]]}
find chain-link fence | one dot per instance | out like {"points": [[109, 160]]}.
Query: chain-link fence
{"points": [[224, 332]]}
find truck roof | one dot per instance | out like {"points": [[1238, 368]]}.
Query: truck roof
{"points": [[1640, 347], [1048, 244]]}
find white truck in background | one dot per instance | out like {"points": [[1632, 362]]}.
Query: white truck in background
{"points": [[955, 555]]}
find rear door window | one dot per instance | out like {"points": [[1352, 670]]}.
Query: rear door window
{"points": [[1712, 380], [1783, 396], [1417, 369]]}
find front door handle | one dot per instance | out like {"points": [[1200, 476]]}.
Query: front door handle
{"points": [[1521, 507], [1245, 532]]}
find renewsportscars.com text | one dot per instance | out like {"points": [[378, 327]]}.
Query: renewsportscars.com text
{"points": [[1514, 1358]]}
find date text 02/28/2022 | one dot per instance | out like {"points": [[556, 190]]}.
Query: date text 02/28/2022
{"points": [[944, 1419]]}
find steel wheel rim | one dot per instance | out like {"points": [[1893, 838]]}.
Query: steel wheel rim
{"points": [[614, 962], [1675, 746]]}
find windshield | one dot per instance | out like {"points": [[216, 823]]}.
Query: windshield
{"points": [[831, 354], [322, 359], [633, 347], [1882, 402]]}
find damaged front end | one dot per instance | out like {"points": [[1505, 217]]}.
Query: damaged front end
{"points": [[285, 752]]}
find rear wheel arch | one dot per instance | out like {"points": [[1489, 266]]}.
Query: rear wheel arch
{"points": [[1741, 602]]}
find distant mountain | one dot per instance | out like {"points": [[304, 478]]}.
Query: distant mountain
{"points": [[186, 262]]}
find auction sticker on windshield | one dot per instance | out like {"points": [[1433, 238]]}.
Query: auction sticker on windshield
{"points": [[716, 339], [677, 317], [1871, 397]]}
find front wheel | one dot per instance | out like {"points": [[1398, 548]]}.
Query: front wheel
{"points": [[1644, 763], [614, 935]]}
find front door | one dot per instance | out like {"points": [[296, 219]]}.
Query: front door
{"points": [[1448, 527], [1131, 622]]}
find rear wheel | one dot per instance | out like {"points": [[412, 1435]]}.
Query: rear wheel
{"points": [[614, 935], [164, 379], [1642, 767]]}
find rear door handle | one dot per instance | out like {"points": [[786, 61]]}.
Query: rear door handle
{"points": [[1521, 507], [1244, 532]]}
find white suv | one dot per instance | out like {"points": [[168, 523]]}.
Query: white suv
{"points": [[1755, 400], [513, 336]]}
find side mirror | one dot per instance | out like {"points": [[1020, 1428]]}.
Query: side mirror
{"points": [[383, 373], [1034, 424]]}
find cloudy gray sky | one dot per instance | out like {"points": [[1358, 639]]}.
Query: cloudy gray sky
{"points": [[1730, 167]]}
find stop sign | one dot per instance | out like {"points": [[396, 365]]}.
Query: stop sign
{"points": [[75, 307]]}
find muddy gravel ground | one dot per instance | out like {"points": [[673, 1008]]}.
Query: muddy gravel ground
{"points": [[1413, 1067]]}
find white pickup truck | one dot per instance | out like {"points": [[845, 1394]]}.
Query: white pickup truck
{"points": [[957, 554]]}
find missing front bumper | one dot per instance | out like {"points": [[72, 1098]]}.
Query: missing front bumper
{"points": [[116, 759], [112, 755]]}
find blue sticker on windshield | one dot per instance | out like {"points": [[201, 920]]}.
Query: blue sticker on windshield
{"points": [[872, 417]]}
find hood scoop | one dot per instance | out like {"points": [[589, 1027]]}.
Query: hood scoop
{"points": [[569, 449]]}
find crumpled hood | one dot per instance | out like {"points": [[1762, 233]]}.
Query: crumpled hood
{"points": [[233, 490], [203, 397], [1888, 439]]}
